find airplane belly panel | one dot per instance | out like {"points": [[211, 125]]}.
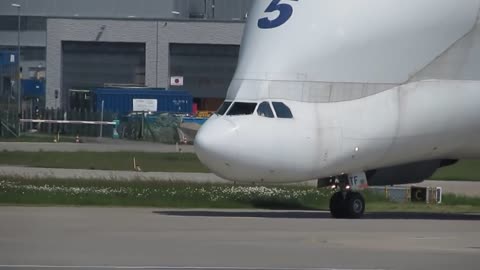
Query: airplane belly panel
{"points": [[368, 127], [437, 120]]}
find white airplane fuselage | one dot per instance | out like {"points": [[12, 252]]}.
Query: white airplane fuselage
{"points": [[360, 101], [398, 126]]}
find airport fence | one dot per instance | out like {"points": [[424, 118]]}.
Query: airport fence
{"points": [[430, 195], [8, 121], [6, 129], [158, 127], [86, 130]]}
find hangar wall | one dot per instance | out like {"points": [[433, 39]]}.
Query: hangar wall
{"points": [[157, 35]]}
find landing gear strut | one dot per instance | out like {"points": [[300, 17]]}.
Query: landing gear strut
{"points": [[346, 203]]}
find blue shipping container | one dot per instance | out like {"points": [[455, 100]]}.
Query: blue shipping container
{"points": [[8, 58], [195, 120], [120, 100], [33, 88]]}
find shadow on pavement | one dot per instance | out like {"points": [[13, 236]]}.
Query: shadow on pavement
{"points": [[316, 215]]}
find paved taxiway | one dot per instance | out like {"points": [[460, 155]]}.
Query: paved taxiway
{"points": [[101, 146], [134, 238]]}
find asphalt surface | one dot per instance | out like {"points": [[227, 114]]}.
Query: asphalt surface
{"points": [[134, 238], [49, 173], [101, 146]]}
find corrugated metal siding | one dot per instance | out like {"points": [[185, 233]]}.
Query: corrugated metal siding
{"points": [[225, 9], [206, 68], [92, 8], [88, 65], [121, 99]]}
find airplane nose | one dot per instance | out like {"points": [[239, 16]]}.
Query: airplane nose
{"points": [[213, 144]]}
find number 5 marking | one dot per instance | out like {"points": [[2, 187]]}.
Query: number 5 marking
{"points": [[285, 10]]}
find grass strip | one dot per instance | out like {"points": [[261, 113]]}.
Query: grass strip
{"points": [[119, 161], [189, 195], [159, 194], [464, 170], [36, 138]]}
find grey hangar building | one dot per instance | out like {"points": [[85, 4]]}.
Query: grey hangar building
{"points": [[76, 46]]}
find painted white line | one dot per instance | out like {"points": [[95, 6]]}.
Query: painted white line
{"points": [[432, 238], [67, 122], [168, 267]]}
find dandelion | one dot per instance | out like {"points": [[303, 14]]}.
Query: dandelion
{"points": [[169, 191]]}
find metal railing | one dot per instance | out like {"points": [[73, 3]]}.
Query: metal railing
{"points": [[430, 195], [74, 122]]}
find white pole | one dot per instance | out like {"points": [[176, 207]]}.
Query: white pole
{"points": [[101, 116], [19, 76]]}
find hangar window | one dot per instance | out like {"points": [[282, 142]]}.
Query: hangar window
{"points": [[223, 109], [265, 110], [242, 108], [27, 23], [282, 110]]}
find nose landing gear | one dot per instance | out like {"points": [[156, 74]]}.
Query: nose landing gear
{"points": [[347, 203]]}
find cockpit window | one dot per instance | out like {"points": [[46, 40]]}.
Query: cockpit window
{"points": [[223, 109], [282, 110], [242, 108], [265, 110]]}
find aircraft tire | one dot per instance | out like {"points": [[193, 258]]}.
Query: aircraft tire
{"points": [[355, 205], [338, 205]]}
